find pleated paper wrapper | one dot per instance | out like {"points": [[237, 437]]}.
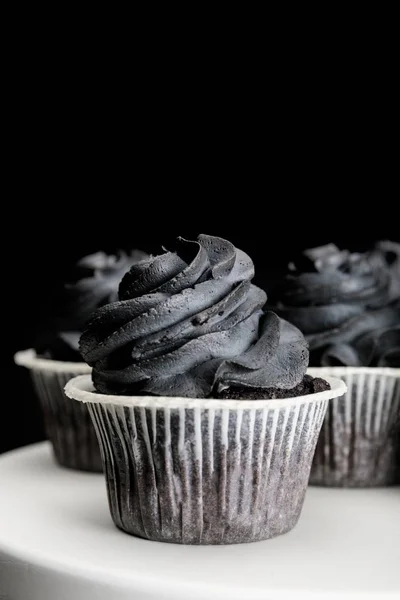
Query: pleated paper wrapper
{"points": [[205, 471], [359, 445], [68, 424]]}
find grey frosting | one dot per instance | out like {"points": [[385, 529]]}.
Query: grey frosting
{"points": [[188, 322], [96, 280], [390, 255], [346, 304]]}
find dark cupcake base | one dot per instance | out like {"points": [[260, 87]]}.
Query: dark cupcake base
{"points": [[67, 423], [309, 385], [207, 476], [359, 444]]}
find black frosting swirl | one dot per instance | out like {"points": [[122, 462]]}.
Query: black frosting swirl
{"points": [[189, 322], [96, 279], [390, 255], [347, 305]]}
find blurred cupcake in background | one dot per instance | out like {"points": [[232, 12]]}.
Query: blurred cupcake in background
{"points": [[348, 307], [56, 357], [390, 253]]}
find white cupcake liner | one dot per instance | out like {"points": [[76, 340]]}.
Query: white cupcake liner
{"points": [[68, 424], [196, 471], [359, 444]]}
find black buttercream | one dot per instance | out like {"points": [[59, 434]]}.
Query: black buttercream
{"points": [[189, 322], [95, 283], [346, 304]]}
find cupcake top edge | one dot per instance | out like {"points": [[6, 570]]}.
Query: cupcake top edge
{"points": [[81, 389]]}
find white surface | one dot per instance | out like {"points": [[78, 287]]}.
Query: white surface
{"points": [[81, 388], [57, 542]]}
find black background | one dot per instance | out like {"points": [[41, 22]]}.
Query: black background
{"points": [[101, 154], [49, 235]]}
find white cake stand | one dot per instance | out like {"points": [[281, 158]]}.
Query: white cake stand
{"points": [[57, 542]]}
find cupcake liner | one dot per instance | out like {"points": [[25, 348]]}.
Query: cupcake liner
{"points": [[359, 445], [194, 471], [68, 424]]}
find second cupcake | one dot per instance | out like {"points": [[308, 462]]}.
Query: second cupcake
{"points": [[347, 305], [56, 358]]}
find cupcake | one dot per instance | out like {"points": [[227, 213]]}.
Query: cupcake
{"points": [[56, 358], [205, 416], [348, 307]]}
